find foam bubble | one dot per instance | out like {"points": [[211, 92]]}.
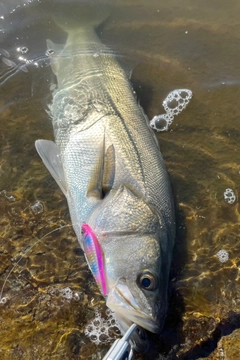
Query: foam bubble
{"points": [[23, 49], [175, 102], [37, 208], [66, 293], [100, 330], [223, 255], [229, 196], [50, 52], [10, 198], [161, 122], [3, 300]]}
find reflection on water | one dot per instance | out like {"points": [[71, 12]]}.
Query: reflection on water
{"points": [[185, 44]]}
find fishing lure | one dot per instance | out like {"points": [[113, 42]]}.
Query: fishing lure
{"points": [[94, 257]]}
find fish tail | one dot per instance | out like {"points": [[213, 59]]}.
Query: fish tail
{"points": [[88, 14]]}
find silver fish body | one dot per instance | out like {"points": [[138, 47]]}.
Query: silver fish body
{"points": [[107, 161]]}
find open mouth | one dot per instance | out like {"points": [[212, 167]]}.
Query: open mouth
{"points": [[121, 301]]}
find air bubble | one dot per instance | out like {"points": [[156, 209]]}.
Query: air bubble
{"points": [[175, 102], [99, 329], [176, 98], [22, 49], [37, 208], [76, 296], [223, 256], [3, 300], [229, 196], [161, 122], [10, 198], [50, 52]]}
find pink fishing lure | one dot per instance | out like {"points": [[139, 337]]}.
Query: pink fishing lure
{"points": [[94, 256]]}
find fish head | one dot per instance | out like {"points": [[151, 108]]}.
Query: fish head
{"points": [[133, 239]]}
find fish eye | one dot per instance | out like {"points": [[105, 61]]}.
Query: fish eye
{"points": [[147, 280]]}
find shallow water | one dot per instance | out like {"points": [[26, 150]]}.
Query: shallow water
{"points": [[185, 44]]}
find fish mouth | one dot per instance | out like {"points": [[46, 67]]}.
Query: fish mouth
{"points": [[121, 301]]}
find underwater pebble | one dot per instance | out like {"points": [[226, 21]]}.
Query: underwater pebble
{"points": [[37, 208], [223, 256], [175, 102], [229, 196], [98, 329]]}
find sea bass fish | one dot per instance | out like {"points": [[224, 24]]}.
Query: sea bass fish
{"points": [[107, 161]]}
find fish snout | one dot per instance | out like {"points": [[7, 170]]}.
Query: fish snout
{"points": [[121, 301]]}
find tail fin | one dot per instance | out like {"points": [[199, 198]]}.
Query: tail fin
{"points": [[87, 14]]}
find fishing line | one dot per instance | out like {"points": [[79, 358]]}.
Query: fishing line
{"points": [[25, 253]]}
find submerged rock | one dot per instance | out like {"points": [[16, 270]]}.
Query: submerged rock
{"points": [[228, 348]]}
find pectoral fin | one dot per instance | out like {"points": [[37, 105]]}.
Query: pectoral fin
{"points": [[103, 172], [50, 155], [95, 181], [108, 169]]}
